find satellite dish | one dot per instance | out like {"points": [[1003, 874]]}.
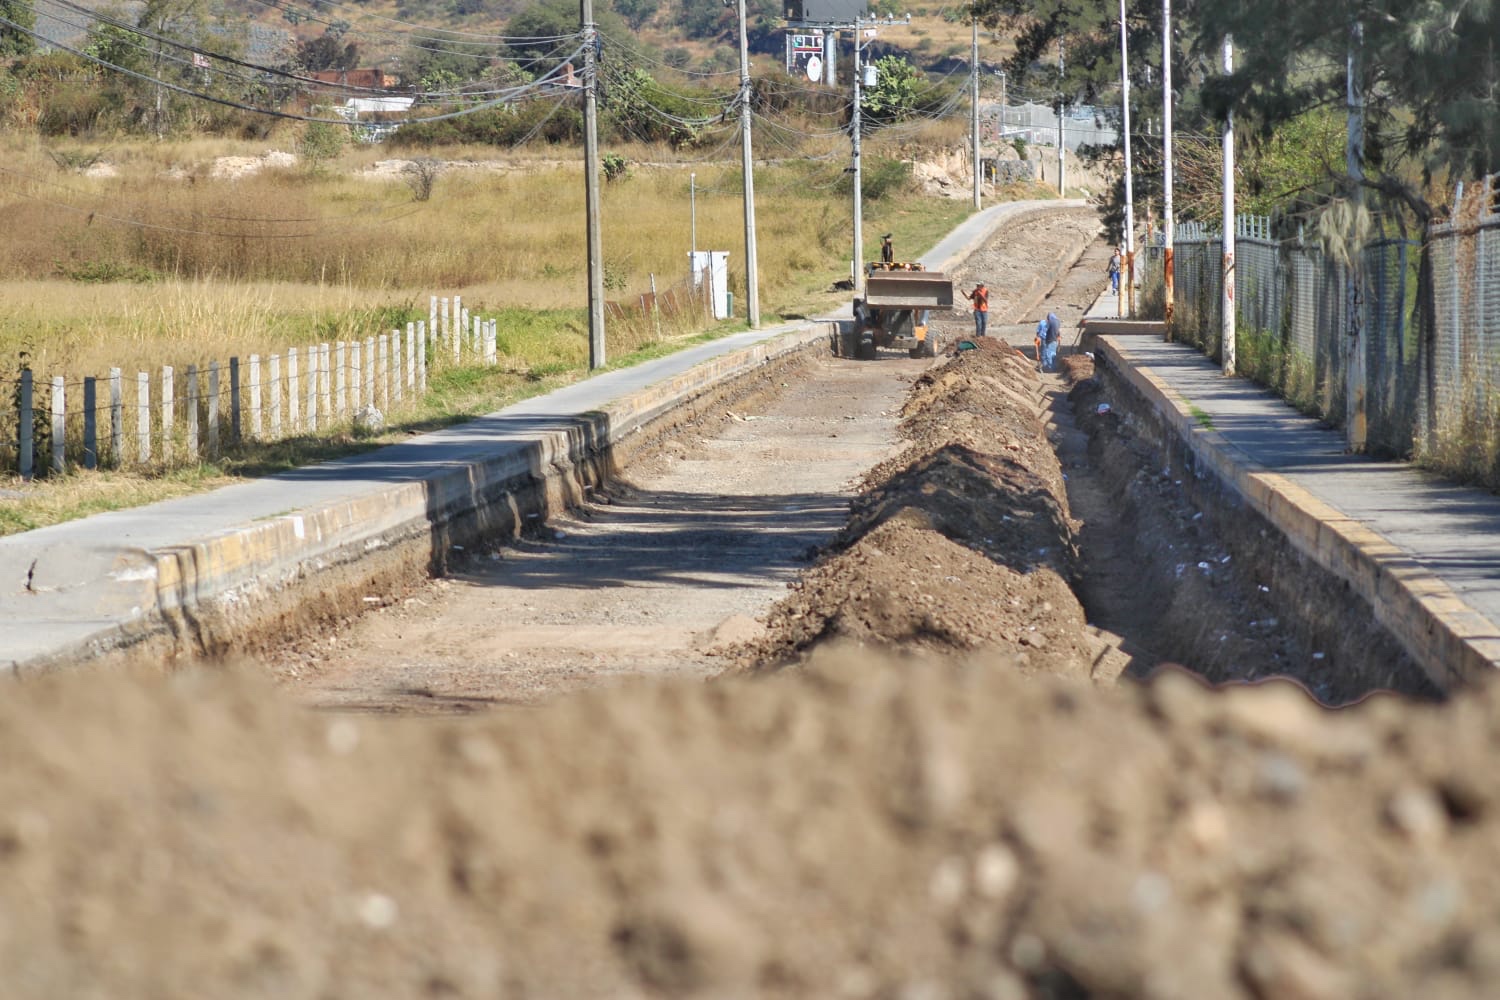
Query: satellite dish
{"points": [[815, 69]]}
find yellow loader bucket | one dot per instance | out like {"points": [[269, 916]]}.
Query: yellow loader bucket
{"points": [[909, 290]]}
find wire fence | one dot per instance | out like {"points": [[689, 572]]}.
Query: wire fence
{"points": [[174, 416], [1431, 343]]}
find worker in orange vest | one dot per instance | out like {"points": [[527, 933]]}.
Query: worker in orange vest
{"points": [[980, 296]]}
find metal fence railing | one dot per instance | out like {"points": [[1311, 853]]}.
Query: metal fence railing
{"points": [[1432, 375]]}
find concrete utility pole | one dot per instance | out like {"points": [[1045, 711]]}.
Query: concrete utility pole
{"points": [[974, 66], [1062, 109], [859, 220], [1129, 190], [591, 184], [1168, 223], [752, 279], [1355, 427], [1226, 301]]}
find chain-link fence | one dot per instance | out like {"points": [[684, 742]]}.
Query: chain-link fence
{"points": [[1432, 346]]}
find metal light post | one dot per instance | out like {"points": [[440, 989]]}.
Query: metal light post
{"points": [[859, 221], [752, 281], [1226, 301], [1129, 191], [1168, 222], [974, 115]]}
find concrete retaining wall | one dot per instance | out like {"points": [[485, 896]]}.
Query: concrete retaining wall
{"points": [[1443, 636]]}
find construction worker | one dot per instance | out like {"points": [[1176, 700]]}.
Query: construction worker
{"points": [[1048, 336], [980, 296], [887, 251]]}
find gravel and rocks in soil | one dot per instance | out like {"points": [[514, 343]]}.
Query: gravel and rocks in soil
{"points": [[859, 828]]}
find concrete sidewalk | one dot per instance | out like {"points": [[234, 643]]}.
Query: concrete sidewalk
{"points": [[88, 587], [1423, 551]]}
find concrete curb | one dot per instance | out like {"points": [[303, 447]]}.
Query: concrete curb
{"points": [[1453, 643], [203, 593]]}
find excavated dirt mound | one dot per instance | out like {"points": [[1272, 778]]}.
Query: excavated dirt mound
{"points": [[961, 542], [855, 829]]}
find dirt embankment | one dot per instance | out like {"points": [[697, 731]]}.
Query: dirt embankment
{"points": [[962, 542]]}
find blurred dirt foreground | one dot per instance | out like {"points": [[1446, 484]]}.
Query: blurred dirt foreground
{"points": [[922, 782]]}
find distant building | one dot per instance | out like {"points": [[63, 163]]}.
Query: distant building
{"points": [[364, 79]]}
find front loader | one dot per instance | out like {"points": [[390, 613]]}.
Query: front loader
{"points": [[895, 310]]}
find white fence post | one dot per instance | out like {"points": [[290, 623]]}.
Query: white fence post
{"points": [[432, 317], [489, 342], [421, 359], [312, 389], [356, 368], [341, 379], [116, 418], [168, 401], [59, 424], [445, 330], [213, 409], [325, 382], [274, 384], [383, 373], [369, 372], [411, 355], [192, 413], [396, 383], [255, 424], [143, 415], [293, 393]]}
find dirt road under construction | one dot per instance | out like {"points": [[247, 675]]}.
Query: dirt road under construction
{"points": [[830, 697]]}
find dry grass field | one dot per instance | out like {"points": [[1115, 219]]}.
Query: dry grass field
{"points": [[135, 255]]}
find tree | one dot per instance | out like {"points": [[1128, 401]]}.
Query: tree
{"points": [[15, 41], [1429, 73], [895, 94], [325, 52]]}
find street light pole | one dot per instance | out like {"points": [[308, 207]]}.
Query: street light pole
{"points": [[974, 116], [1226, 298], [752, 281], [591, 185], [1168, 222], [859, 222], [1129, 191]]}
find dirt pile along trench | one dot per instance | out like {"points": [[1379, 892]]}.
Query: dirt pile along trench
{"points": [[961, 817], [960, 542]]}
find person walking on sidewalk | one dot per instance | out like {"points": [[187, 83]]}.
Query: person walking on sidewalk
{"points": [[1116, 262], [980, 296]]}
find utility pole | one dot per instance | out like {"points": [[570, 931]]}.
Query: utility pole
{"points": [[1226, 300], [752, 280], [859, 221], [1168, 223], [693, 209], [1355, 428], [591, 184], [1129, 191], [1062, 107], [974, 123]]}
